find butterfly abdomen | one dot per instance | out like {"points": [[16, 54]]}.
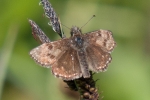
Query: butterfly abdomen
{"points": [[83, 63]]}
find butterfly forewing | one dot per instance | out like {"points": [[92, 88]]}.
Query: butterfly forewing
{"points": [[48, 53], [67, 66], [103, 38]]}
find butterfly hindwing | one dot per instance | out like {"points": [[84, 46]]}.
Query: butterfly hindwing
{"points": [[67, 66], [97, 59]]}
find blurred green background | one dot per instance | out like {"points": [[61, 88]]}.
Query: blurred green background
{"points": [[128, 76]]}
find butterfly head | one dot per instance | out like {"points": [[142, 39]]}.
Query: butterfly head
{"points": [[75, 31]]}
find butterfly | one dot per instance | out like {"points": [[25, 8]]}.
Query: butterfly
{"points": [[72, 58]]}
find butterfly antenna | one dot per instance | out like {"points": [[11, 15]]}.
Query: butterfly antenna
{"points": [[88, 21], [66, 26]]}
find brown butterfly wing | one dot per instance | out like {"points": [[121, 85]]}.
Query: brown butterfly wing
{"points": [[48, 53], [99, 46], [97, 59], [67, 66], [102, 38]]}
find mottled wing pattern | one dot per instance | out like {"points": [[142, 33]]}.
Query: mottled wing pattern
{"points": [[67, 67], [48, 53], [102, 38], [100, 45], [97, 59]]}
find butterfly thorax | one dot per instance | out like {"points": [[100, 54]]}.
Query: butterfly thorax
{"points": [[76, 38]]}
